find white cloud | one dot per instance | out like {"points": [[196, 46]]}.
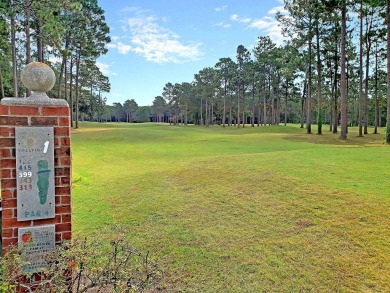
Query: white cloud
{"points": [[277, 9], [222, 24], [154, 42], [235, 17], [270, 28], [221, 8], [135, 10], [267, 24], [275, 33], [261, 24], [122, 48], [105, 69]]}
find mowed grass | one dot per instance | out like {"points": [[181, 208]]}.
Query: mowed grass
{"points": [[264, 209]]}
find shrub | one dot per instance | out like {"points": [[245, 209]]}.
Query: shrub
{"points": [[109, 265], [10, 268]]}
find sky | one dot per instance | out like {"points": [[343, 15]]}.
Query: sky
{"points": [[154, 42]]}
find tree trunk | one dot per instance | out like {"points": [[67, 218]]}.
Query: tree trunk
{"points": [[264, 105], [71, 91], [344, 100], [238, 108], [270, 99], [224, 107], [212, 112], [1, 85], [253, 106], [201, 111], [259, 111], [40, 42], [230, 113], [243, 112], [319, 82], [278, 102], [207, 113], [27, 32], [273, 111], [308, 100], [303, 104], [285, 108], [60, 77], [28, 37], [186, 114], [368, 49], [331, 99], [361, 98], [77, 90], [66, 80], [63, 67], [351, 122], [376, 91], [269, 118], [346, 83], [334, 94], [13, 49]]}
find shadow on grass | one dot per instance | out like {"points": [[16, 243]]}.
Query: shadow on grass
{"points": [[334, 139]]}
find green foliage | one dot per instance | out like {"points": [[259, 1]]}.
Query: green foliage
{"points": [[320, 122], [5, 69], [68, 29], [159, 106], [105, 261], [143, 114], [130, 107], [388, 133], [10, 267]]}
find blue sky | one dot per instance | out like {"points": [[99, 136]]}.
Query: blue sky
{"points": [[154, 42]]}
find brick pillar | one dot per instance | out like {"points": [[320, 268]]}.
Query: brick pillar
{"points": [[18, 112]]}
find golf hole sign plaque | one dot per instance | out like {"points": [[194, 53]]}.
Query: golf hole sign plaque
{"points": [[37, 242], [35, 173]]}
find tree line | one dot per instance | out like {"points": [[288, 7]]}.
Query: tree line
{"points": [[331, 71], [67, 34]]}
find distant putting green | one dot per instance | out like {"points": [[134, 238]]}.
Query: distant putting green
{"points": [[264, 209]]}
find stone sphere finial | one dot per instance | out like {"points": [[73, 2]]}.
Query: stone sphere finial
{"points": [[39, 78]]}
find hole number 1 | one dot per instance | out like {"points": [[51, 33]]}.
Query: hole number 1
{"points": [[46, 147]]}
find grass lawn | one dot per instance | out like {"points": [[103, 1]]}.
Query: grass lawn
{"points": [[264, 209]]}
